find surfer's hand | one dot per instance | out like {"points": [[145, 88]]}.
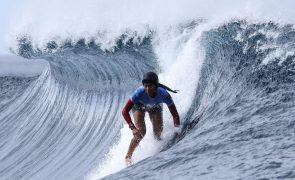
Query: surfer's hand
{"points": [[136, 133], [177, 130]]}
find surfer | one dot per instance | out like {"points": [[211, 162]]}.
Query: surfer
{"points": [[148, 98]]}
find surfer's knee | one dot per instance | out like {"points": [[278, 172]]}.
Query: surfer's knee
{"points": [[141, 135]]}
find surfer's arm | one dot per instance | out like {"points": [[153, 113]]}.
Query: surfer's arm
{"points": [[126, 114], [173, 111]]}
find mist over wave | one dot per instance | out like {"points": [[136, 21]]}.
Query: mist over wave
{"points": [[21, 67], [235, 73]]}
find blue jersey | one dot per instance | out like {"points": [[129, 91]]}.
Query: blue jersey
{"points": [[140, 97]]}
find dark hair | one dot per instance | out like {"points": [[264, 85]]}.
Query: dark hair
{"points": [[152, 77]]}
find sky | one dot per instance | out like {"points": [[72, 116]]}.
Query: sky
{"points": [[7, 9]]}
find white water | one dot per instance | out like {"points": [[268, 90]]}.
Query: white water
{"points": [[106, 20], [175, 49]]}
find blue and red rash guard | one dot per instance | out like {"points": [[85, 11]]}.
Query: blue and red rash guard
{"points": [[140, 97]]}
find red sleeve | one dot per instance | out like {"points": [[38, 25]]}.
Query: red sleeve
{"points": [[126, 114], [175, 115]]}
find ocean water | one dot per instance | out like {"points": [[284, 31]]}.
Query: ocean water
{"points": [[235, 74]]}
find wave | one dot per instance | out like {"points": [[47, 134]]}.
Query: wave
{"points": [[236, 84], [241, 119]]}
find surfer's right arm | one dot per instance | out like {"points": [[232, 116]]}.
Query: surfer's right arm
{"points": [[128, 106], [126, 114]]}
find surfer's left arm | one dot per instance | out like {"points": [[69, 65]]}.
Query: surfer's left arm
{"points": [[175, 115], [172, 108]]}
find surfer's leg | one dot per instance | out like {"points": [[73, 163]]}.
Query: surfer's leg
{"points": [[140, 125], [157, 121]]}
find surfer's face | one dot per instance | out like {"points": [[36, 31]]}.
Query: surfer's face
{"points": [[150, 89]]}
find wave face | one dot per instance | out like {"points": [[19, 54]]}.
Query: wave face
{"points": [[244, 104], [65, 121], [238, 118]]}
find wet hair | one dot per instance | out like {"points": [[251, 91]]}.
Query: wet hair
{"points": [[152, 77]]}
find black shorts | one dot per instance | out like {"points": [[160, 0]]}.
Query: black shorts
{"points": [[147, 108]]}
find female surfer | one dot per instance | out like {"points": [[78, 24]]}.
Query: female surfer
{"points": [[148, 98]]}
